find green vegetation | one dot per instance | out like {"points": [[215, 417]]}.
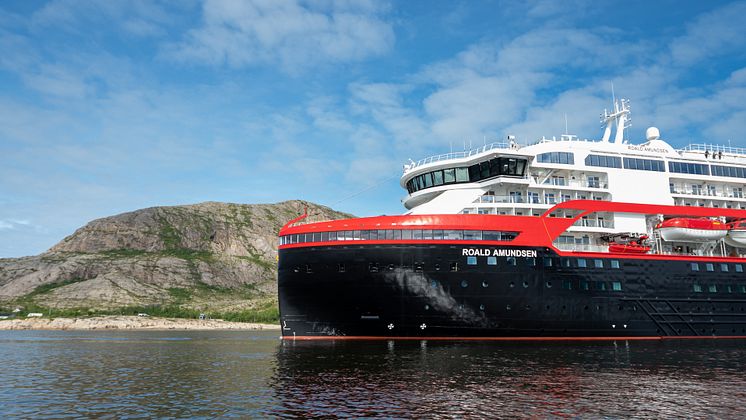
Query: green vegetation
{"points": [[179, 294], [267, 313], [168, 234], [44, 288], [123, 253], [189, 254]]}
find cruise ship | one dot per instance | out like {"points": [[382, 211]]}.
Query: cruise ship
{"points": [[561, 239]]}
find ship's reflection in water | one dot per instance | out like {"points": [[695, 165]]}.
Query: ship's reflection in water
{"points": [[459, 379], [209, 374]]}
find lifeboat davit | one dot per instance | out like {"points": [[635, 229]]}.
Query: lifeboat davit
{"points": [[680, 229], [736, 234]]}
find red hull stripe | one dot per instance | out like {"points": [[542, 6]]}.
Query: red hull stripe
{"points": [[601, 255], [376, 338], [533, 231]]}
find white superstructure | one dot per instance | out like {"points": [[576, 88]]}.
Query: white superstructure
{"points": [[509, 179]]}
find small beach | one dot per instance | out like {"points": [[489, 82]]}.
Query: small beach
{"points": [[117, 322]]}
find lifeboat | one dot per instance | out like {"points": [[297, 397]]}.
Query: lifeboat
{"points": [[627, 243], [736, 234], [630, 248], [680, 229]]}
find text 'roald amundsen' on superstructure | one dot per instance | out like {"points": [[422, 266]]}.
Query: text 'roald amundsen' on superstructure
{"points": [[486, 252]]}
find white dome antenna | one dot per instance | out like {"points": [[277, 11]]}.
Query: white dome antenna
{"points": [[652, 133]]}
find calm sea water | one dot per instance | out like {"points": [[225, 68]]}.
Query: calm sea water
{"points": [[253, 374]]}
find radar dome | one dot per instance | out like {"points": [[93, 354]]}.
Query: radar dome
{"points": [[652, 133]]}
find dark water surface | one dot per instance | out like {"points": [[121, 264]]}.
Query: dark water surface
{"points": [[253, 374]]}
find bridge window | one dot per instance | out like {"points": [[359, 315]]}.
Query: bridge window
{"points": [[644, 164], [603, 161], [566, 158], [449, 176], [438, 178]]}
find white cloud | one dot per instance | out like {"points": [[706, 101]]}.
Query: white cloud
{"points": [[143, 18], [287, 33], [10, 224], [719, 32]]}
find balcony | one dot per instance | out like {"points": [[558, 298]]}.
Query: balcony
{"points": [[720, 194], [513, 199], [608, 224]]}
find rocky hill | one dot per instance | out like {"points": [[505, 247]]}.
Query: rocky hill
{"points": [[211, 257]]}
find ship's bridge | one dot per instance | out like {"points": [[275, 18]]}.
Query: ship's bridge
{"points": [[463, 173]]}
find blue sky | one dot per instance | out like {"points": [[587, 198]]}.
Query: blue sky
{"points": [[111, 106]]}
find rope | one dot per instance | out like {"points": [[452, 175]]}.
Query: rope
{"points": [[368, 188]]}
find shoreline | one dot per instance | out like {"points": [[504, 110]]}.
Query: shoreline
{"points": [[130, 323]]}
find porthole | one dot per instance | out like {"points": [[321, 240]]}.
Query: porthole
{"points": [[427, 307], [549, 285], [507, 307], [464, 283], [481, 307], [391, 267], [433, 283], [512, 285], [437, 267], [485, 284], [525, 284]]}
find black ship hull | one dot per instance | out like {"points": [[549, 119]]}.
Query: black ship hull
{"points": [[458, 291]]}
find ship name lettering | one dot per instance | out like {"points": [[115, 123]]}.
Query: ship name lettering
{"points": [[484, 252]]}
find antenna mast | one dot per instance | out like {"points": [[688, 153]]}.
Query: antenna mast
{"points": [[620, 116]]}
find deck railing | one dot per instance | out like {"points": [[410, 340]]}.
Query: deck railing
{"points": [[713, 148], [458, 155]]}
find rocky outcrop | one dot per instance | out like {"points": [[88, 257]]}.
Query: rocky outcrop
{"points": [[215, 256]]}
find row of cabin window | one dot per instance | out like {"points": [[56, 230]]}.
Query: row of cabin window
{"points": [[566, 158], [729, 171], [688, 168], [657, 165], [399, 234], [724, 268], [550, 262], [713, 288], [566, 285], [629, 163], [501, 166]]}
